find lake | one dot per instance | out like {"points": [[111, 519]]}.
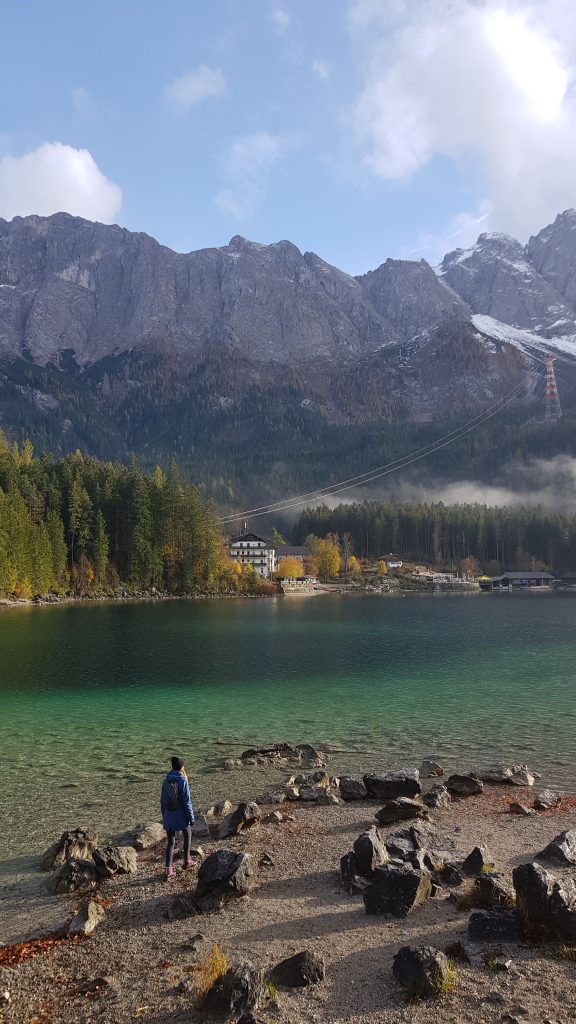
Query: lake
{"points": [[95, 698]]}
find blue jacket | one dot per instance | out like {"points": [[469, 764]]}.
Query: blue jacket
{"points": [[178, 820]]}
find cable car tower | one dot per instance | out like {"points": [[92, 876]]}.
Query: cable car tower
{"points": [[553, 409]]}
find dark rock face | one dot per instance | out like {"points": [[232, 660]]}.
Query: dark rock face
{"points": [[450, 874], [402, 809], [350, 874], [493, 926], [546, 908], [73, 876], [75, 845], [245, 816], [562, 848], [495, 891], [115, 860], [397, 890], [438, 796], [370, 851], [223, 876], [238, 991], [393, 785], [352, 789], [299, 971], [479, 860], [423, 972], [464, 785]]}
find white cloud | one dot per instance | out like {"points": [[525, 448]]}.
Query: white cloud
{"points": [[461, 231], [321, 69], [249, 162], [490, 80], [57, 178], [281, 19], [198, 85]]}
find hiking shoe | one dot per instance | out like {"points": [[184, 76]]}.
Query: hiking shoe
{"points": [[188, 863], [170, 872]]}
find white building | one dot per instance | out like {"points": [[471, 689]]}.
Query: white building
{"points": [[249, 549]]}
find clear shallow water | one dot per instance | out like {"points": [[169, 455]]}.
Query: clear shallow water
{"points": [[94, 699]]}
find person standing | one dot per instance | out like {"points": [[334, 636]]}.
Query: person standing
{"points": [[177, 812]]}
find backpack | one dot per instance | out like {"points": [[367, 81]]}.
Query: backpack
{"points": [[171, 797]]}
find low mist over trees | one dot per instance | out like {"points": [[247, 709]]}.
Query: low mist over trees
{"points": [[470, 536]]}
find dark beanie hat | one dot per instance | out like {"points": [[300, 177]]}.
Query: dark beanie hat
{"points": [[177, 764]]}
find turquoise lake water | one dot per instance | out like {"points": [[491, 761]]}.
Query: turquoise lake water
{"points": [[95, 698]]}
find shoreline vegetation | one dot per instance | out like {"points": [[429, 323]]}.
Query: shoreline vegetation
{"points": [[399, 896]]}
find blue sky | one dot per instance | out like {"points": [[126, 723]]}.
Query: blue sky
{"points": [[360, 129]]}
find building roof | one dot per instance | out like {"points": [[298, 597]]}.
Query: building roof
{"points": [[250, 536], [522, 576], [285, 550]]}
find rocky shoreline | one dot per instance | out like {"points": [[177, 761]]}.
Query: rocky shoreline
{"points": [[325, 899]]}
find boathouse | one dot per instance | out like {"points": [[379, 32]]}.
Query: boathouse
{"points": [[522, 581]]}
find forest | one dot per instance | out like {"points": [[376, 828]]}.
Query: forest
{"points": [[499, 538], [84, 527]]}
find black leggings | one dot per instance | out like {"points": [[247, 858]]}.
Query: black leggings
{"points": [[171, 841]]}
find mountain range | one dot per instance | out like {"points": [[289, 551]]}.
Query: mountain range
{"points": [[262, 367]]}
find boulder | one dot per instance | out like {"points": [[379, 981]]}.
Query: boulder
{"points": [[352, 789], [392, 785], [422, 971], [480, 859], [495, 891], [563, 911], [533, 887], [73, 876], [516, 808], [430, 769], [438, 796], [88, 917], [327, 799], [223, 876], [309, 756], [200, 828], [240, 990], [181, 907], [245, 816], [546, 799], [115, 860], [400, 845], [370, 851], [496, 776], [396, 890], [220, 809], [75, 845], [561, 849], [522, 776], [450, 874], [292, 793], [493, 926], [402, 809], [464, 785], [299, 971]]}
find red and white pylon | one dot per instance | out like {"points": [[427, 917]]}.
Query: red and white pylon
{"points": [[553, 409]]}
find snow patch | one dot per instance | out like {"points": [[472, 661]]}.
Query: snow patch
{"points": [[526, 341]]}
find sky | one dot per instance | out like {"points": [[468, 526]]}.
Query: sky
{"points": [[358, 129]]}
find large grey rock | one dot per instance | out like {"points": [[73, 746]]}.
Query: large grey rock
{"points": [[392, 785], [430, 769], [563, 910], [533, 887], [493, 926], [402, 809], [352, 789], [480, 859], [238, 991], [299, 971], [422, 971], [73, 876], [87, 919], [562, 848], [370, 851], [223, 876], [74, 845], [244, 817], [142, 837], [397, 890], [464, 785], [115, 860], [495, 891], [546, 799], [437, 796]]}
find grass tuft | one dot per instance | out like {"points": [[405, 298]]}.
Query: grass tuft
{"points": [[446, 984], [565, 953], [208, 971]]}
